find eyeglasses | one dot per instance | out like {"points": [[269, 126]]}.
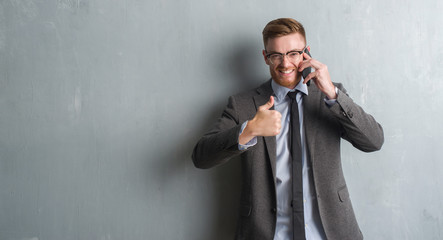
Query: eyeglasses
{"points": [[276, 58]]}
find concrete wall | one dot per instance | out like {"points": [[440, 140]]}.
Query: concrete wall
{"points": [[102, 101]]}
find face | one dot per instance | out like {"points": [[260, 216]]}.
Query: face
{"points": [[285, 73]]}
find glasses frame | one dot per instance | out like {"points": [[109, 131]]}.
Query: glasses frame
{"points": [[282, 55]]}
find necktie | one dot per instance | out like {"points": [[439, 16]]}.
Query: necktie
{"points": [[297, 175]]}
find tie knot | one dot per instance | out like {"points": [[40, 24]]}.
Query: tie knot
{"points": [[293, 95]]}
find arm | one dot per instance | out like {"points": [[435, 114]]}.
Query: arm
{"points": [[359, 128], [222, 142]]}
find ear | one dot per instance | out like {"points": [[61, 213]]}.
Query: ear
{"points": [[264, 56], [309, 48]]}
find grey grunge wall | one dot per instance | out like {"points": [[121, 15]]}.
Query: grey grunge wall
{"points": [[101, 103]]}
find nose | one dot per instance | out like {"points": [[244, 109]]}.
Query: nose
{"points": [[285, 61]]}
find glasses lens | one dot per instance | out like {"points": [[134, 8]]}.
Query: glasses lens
{"points": [[276, 58], [293, 55]]}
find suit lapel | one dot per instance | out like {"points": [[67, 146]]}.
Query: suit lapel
{"points": [[264, 92]]}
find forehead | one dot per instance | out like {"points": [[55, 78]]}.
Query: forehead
{"points": [[286, 43]]}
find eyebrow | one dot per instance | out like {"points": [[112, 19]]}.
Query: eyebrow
{"points": [[293, 50]]}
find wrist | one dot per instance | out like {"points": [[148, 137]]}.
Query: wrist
{"points": [[247, 133], [250, 128], [332, 93]]}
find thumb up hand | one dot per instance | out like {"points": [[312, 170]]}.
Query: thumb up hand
{"points": [[265, 123]]}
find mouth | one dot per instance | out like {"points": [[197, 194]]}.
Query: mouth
{"points": [[286, 71]]}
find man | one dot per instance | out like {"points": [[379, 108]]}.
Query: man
{"points": [[288, 135]]}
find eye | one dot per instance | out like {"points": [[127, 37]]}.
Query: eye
{"points": [[275, 56], [294, 54]]}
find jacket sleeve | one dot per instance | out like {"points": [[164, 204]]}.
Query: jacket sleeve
{"points": [[221, 143], [359, 128]]}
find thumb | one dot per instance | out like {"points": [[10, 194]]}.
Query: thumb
{"points": [[268, 105]]}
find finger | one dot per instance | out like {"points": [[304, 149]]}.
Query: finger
{"points": [[306, 59], [304, 64], [268, 105], [310, 76], [311, 62], [306, 56], [316, 64]]}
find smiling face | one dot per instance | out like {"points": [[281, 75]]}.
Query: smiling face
{"points": [[285, 73]]}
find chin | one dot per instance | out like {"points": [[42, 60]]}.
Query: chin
{"points": [[287, 82]]}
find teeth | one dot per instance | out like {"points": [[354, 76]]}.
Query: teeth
{"points": [[287, 71]]}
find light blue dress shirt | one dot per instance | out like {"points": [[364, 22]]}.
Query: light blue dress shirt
{"points": [[313, 227]]}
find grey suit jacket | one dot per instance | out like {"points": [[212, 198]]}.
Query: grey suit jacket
{"points": [[324, 127]]}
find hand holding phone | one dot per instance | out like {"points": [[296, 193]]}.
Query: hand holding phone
{"points": [[321, 75]]}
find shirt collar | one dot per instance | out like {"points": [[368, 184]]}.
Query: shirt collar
{"points": [[281, 92]]}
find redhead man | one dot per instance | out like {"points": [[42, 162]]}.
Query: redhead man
{"points": [[288, 135]]}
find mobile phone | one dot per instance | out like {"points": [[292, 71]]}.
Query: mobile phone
{"points": [[307, 70]]}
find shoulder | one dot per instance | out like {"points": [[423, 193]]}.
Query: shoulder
{"points": [[245, 103], [263, 89]]}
